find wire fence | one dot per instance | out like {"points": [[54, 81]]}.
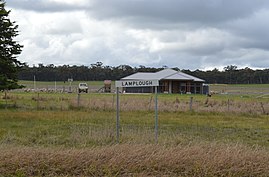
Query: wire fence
{"points": [[137, 102]]}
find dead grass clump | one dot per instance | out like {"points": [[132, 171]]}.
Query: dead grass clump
{"points": [[136, 160], [10, 97], [6, 97]]}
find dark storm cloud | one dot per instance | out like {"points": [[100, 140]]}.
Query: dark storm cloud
{"points": [[176, 11], [201, 11]]}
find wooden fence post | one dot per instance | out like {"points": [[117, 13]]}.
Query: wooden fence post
{"points": [[150, 102], [37, 105], [191, 100], [6, 98], [78, 101], [228, 105], [113, 101], [263, 110]]}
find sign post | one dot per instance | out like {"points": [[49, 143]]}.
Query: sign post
{"points": [[156, 115], [137, 83], [118, 117]]}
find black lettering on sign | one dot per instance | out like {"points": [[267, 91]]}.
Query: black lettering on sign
{"points": [[136, 83]]}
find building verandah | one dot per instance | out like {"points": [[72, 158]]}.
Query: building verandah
{"points": [[182, 87]]}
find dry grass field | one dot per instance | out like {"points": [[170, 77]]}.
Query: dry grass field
{"points": [[135, 160], [57, 134]]}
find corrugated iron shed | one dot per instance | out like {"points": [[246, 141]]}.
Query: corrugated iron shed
{"points": [[166, 74]]}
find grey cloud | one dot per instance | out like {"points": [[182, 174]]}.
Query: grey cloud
{"points": [[43, 5], [64, 27], [254, 58], [255, 30], [176, 11], [153, 11], [190, 34]]}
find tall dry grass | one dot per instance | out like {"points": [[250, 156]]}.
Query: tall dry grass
{"points": [[176, 104], [136, 160], [171, 103]]}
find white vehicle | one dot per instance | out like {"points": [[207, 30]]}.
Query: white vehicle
{"points": [[83, 87]]}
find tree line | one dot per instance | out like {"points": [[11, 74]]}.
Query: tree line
{"points": [[98, 72]]}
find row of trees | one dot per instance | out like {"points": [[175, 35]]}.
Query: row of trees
{"points": [[98, 71], [94, 72], [232, 75]]}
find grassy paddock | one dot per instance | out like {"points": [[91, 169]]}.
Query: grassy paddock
{"points": [[82, 143], [240, 88], [50, 134], [95, 128], [39, 84], [94, 86]]}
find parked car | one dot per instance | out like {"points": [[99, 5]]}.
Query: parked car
{"points": [[83, 87]]}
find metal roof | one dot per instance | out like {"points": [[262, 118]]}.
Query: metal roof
{"points": [[141, 76], [166, 74]]}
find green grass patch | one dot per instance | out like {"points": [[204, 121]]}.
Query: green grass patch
{"points": [[61, 84], [97, 128]]}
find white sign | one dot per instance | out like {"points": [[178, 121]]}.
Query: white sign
{"points": [[137, 83]]}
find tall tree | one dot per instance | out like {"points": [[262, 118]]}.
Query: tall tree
{"points": [[9, 50], [230, 70]]}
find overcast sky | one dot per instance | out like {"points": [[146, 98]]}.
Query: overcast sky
{"points": [[188, 34]]}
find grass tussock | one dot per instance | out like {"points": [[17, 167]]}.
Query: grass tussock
{"points": [[136, 160]]}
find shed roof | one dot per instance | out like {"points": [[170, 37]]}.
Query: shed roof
{"points": [[166, 74]]}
